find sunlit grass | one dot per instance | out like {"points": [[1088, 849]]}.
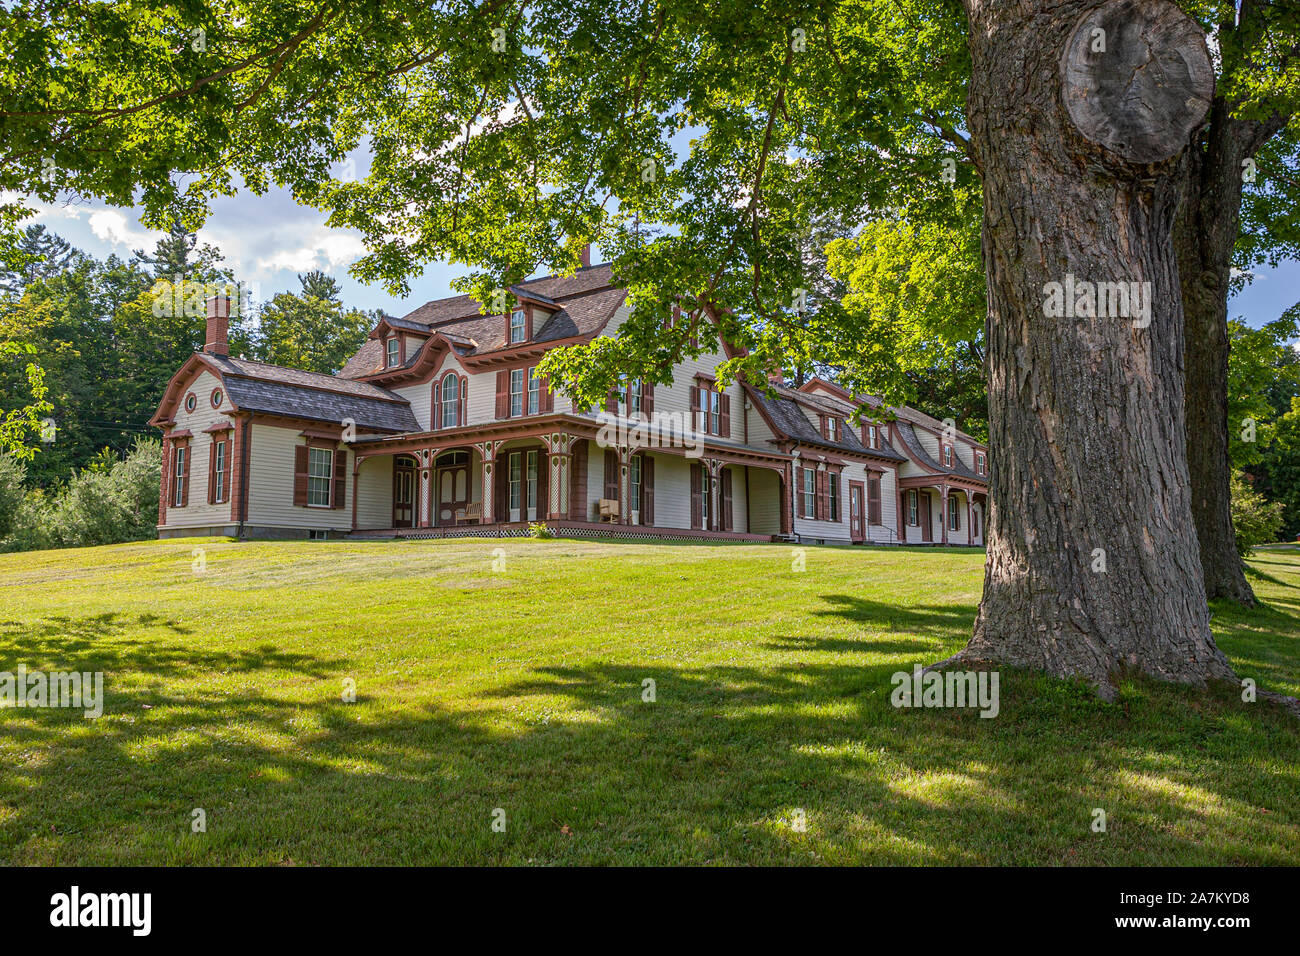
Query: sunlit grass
{"points": [[526, 690]]}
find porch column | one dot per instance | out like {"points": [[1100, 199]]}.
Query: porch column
{"points": [[943, 507], [487, 463], [424, 504], [356, 467], [970, 527], [624, 484], [560, 458]]}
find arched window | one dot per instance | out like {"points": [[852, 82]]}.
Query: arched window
{"points": [[450, 399]]}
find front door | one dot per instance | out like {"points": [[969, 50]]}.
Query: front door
{"points": [[927, 527], [404, 493], [451, 472], [856, 500]]}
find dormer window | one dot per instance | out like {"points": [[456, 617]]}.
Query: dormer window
{"points": [[518, 326], [981, 463], [872, 436], [394, 352], [947, 456]]}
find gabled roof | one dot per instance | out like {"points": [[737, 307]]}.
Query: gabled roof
{"points": [[784, 413], [583, 303], [294, 393], [919, 455], [819, 387]]}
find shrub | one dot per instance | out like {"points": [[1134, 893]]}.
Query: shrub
{"points": [[1255, 520], [538, 530]]}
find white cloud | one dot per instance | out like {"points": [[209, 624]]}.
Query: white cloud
{"points": [[112, 226]]}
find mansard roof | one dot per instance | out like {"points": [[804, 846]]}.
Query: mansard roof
{"points": [[584, 302], [782, 411]]}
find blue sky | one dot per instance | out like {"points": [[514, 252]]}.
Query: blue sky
{"points": [[268, 239]]}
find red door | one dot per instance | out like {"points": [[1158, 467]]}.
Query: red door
{"points": [[927, 528], [857, 531]]}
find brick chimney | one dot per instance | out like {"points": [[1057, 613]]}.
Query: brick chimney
{"points": [[586, 256], [776, 376], [217, 339]]}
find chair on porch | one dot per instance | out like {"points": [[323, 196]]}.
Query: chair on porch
{"points": [[609, 510]]}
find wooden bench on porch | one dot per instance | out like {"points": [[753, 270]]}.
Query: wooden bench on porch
{"points": [[471, 514]]}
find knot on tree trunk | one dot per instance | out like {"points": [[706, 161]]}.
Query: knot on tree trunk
{"points": [[1136, 79]]}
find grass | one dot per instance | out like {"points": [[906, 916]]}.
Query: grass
{"points": [[521, 689]]}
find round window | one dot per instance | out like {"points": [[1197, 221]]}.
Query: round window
{"points": [[190, 402], [216, 398]]}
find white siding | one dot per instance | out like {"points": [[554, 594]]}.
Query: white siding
{"points": [[375, 493], [198, 513], [270, 486], [765, 508]]}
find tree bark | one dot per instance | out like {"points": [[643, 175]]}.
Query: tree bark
{"points": [[1205, 233], [1093, 567]]}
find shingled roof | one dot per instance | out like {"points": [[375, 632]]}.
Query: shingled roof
{"points": [[922, 457], [276, 390], [584, 302], [783, 410]]}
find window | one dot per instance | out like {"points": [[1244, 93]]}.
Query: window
{"points": [[913, 509], [873, 436], [531, 485], [218, 471], [809, 493], [216, 398], [516, 392], [450, 400], [517, 329], [833, 484], [947, 456], [715, 413], [320, 464], [514, 478], [873, 499], [191, 401], [706, 496], [534, 391], [981, 463], [634, 397], [394, 351], [634, 482], [954, 514], [179, 476]]}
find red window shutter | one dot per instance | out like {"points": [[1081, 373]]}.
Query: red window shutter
{"points": [[695, 409], [300, 475], [697, 501], [435, 416], [611, 400], [647, 490], [726, 499], [611, 474], [578, 485], [548, 397], [647, 399], [462, 413], [873, 499], [503, 392], [212, 472], [724, 415], [339, 497]]}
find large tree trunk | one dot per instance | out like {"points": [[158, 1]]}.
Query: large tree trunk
{"points": [[1205, 233], [1093, 566]]}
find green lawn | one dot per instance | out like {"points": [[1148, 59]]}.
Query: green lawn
{"points": [[522, 690]]}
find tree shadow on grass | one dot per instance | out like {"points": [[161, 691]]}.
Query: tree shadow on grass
{"points": [[717, 768]]}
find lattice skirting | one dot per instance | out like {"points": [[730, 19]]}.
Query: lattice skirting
{"points": [[630, 532]]}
